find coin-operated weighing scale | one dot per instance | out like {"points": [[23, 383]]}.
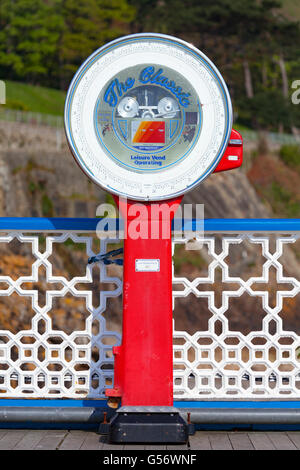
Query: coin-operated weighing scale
{"points": [[148, 117]]}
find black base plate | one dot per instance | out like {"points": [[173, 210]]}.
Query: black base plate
{"points": [[148, 427]]}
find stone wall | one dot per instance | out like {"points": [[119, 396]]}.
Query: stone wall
{"points": [[39, 177]]}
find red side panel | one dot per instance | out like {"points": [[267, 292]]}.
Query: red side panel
{"points": [[233, 156]]}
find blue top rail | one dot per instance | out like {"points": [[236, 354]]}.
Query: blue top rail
{"points": [[43, 224]]}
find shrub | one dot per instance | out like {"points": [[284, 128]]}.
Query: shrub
{"points": [[290, 155], [16, 104]]}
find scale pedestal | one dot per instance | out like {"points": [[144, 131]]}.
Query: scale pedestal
{"points": [[143, 378], [144, 130]]}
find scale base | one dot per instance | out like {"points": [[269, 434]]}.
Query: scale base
{"points": [[153, 424]]}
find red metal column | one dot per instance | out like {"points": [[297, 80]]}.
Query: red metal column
{"points": [[144, 361]]}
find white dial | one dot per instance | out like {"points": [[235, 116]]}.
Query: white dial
{"points": [[148, 117]]}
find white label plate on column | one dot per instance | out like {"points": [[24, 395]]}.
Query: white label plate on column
{"points": [[147, 265]]}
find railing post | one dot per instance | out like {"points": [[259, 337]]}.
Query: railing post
{"points": [[144, 361]]}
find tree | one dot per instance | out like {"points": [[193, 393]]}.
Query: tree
{"points": [[29, 31], [88, 24], [46, 40]]}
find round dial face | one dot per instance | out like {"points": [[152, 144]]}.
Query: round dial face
{"points": [[148, 117]]}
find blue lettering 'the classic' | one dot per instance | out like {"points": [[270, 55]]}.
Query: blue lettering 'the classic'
{"points": [[116, 89], [150, 75]]}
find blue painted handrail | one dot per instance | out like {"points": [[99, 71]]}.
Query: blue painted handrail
{"points": [[90, 224]]}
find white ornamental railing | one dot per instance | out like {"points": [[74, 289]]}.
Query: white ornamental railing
{"points": [[44, 359], [60, 317], [251, 353]]}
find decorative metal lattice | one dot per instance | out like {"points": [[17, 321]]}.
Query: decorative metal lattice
{"points": [[221, 361], [250, 353], [43, 361]]}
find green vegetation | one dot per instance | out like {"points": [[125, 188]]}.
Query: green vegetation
{"points": [[291, 8], [254, 43], [183, 258], [39, 99], [283, 202], [290, 155], [30, 166], [44, 41], [47, 206], [109, 199], [81, 197], [32, 187], [74, 246]]}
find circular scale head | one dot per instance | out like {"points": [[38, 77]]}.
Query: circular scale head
{"points": [[148, 117]]}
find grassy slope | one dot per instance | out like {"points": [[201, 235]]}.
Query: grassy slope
{"points": [[34, 98]]}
